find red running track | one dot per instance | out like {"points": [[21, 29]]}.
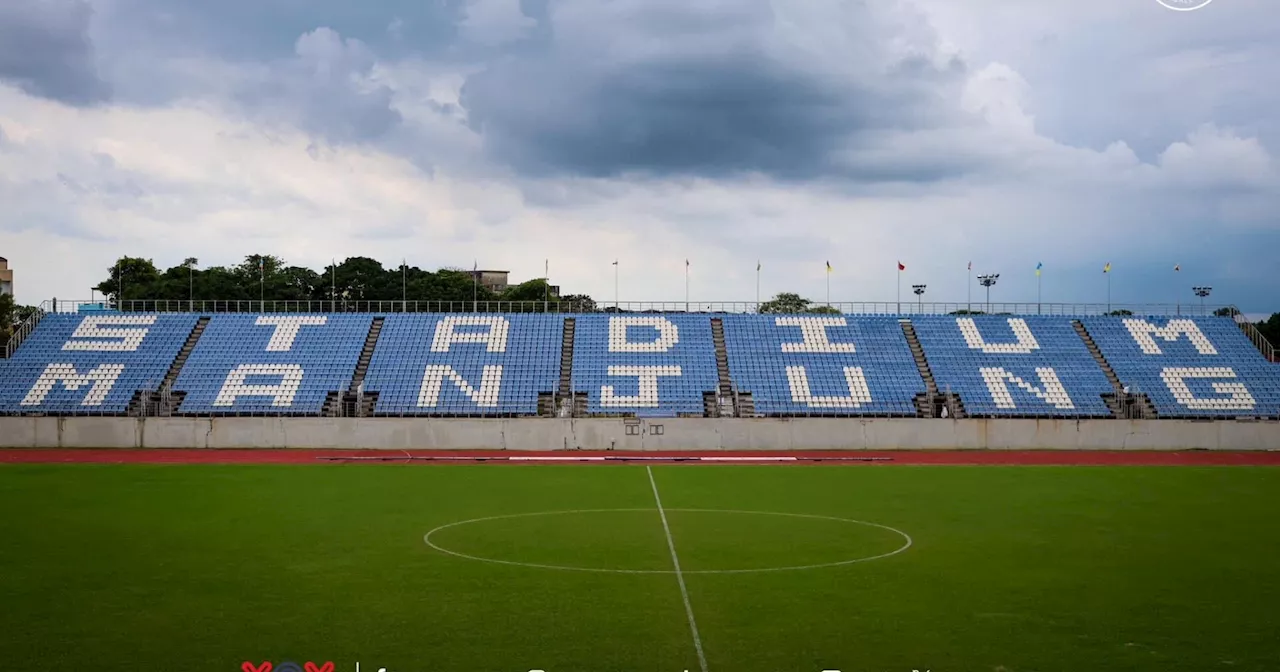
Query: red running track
{"points": [[952, 457]]}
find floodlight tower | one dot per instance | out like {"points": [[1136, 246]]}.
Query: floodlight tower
{"points": [[919, 290], [987, 281], [1202, 292]]}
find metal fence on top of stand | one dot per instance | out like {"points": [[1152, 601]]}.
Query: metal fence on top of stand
{"points": [[707, 307]]}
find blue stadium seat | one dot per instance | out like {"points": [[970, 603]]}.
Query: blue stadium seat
{"points": [[646, 365], [1014, 366], [465, 364], [1189, 367], [91, 363], [639, 364], [277, 364], [837, 365]]}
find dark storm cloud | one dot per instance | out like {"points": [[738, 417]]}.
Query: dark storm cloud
{"points": [[46, 51], [697, 117], [747, 106], [327, 89]]}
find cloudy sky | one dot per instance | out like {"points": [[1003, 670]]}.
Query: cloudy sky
{"points": [[508, 132]]}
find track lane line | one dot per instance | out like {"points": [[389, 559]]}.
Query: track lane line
{"points": [[675, 561]]}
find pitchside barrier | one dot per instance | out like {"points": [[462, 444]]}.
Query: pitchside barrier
{"points": [[646, 368], [763, 436]]}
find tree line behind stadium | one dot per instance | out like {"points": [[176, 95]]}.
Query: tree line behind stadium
{"points": [[271, 278]]}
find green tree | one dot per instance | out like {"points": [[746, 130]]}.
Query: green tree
{"points": [[131, 278], [8, 315], [272, 278], [788, 302], [785, 302], [295, 283], [362, 279], [1270, 329], [12, 314], [532, 290], [577, 303]]}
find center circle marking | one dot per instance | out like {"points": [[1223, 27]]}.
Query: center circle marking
{"points": [[905, 537]]}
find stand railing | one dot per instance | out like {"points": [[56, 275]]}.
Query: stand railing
{"points": [[1268, 351], [722, 307], [23, 330]]}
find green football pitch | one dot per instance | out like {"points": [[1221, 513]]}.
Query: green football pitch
{"points": [[572, 568]]}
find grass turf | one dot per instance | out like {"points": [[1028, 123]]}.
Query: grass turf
{"points": [[129, 567]]}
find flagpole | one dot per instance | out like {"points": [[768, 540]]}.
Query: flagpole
{"points": [[686, 285], [616, 306], [404, 282], [1108, 291], [1177, 297], [1039, 294], [333, 289], [828, 285], [899, 288], [546, 284], [757, 285], [969, 284]]}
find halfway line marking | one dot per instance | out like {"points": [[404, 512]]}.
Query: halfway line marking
{"points": [[675, 560]]}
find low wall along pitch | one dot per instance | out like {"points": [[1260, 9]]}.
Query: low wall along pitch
{"points": [[631, 434]]}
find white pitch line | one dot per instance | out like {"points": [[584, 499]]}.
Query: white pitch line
{"points": [[675, 560]]}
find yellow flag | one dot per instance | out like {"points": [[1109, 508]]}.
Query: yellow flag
{"points": [[1107, 268]]}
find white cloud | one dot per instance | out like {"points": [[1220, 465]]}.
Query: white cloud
{"points": [[495, 22], [337, 152]]}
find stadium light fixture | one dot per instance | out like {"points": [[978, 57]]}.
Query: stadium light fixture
{"points": [[919, 290], [987, 281], [1202, 292]]}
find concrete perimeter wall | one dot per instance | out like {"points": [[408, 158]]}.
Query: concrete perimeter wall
{"points": [[665, 434]]}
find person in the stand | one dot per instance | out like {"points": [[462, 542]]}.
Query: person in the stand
{"points": [[945, 412]]}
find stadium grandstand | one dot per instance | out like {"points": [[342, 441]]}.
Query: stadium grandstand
{"points": [[378, 361]]}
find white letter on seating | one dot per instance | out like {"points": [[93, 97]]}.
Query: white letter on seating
{"points": [[1026, 340], [495, 336], [1240, 399], [859, 393], [1053, 393], [103, 379], [648, 386], [287, 328], [485, 397], [282, 393], [814, 332], [1143, 331], [668, 335], [126, 340]]}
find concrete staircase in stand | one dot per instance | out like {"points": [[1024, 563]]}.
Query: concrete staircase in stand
{"points": [[164, 401], [564, 402], [930, 403], [1132, 405], [722, 402], [354, 403]]}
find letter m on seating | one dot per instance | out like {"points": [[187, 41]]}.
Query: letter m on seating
{"points": [[99, 380]]}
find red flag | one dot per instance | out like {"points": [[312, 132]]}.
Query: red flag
{"points": [[901, 267]]}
